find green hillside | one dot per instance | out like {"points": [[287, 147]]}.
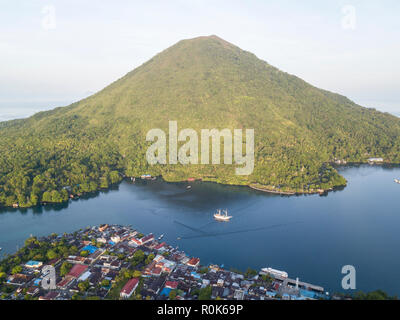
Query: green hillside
{"points": [[202, 83]]}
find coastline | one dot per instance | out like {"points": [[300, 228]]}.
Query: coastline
{"points": [[157, 266], [253, 186]]}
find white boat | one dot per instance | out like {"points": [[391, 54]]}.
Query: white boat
{"points": [[275, 272], [160, 237], [397, 181], [222, 216]]}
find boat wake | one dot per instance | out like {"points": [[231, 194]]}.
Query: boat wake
{"points": [[205, 234]]}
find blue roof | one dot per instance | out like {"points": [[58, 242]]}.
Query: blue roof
{"points": [[166, 291], [308, 294], [89, 248]]}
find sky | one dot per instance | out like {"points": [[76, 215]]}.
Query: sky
{"points": [[53, 53]]}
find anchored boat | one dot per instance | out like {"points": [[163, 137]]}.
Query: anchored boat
{"points": [[222, 216], [397, 181]]}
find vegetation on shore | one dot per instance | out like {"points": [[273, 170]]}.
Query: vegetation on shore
{"points": [[202, 83]]}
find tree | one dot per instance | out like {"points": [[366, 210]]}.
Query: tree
{"points": [[138, 257], [250, 273], [83, 286], [172, 295], [52, 254], [65, 268], [205, 293], [3, 276], [150, 258], [105, 283], [84, 253], [16, 269]]}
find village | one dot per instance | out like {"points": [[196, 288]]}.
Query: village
{"points": [[117, 262]]}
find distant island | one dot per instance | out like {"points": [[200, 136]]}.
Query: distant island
{"points": [[300, 131]]}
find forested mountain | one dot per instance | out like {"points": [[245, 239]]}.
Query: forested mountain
{"points": [[202, 83]]}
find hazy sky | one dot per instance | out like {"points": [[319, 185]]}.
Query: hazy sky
{"points": [[55, 52]]}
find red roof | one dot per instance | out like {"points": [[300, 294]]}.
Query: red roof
{"points": [[64, 282], [147, 238], [77, 270], [171, 284], [130, 286], [193, 261], [159, 246], [156, 271]]}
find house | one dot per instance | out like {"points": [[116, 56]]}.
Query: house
{"points": [[171, 285], [32, 291], [89, 248], [19, 279], [65, 282], [77, 270], [134, 242], [116, 239], [146, 239], [51, 295], [158, 258], [194, 262], [156, 271], [160, 246], [84, 276], [101, 240], [32, 264], [129, 288]]}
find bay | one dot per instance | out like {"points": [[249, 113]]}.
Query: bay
{"points": [[311, 237]]}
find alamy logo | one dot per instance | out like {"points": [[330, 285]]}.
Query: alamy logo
{"points": [[349, 280], [188, 153]]}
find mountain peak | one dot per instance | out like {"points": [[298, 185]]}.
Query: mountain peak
{"points": [[209, 39]]}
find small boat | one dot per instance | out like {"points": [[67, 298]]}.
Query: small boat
{"points": [[397, 181], [160, 237], [179, 238], [222, 216], [189, 187]]}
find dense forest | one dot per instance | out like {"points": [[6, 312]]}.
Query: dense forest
{"points": [[202, 83]]}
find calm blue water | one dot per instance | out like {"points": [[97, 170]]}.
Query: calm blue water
{"points": [[311, 237]]}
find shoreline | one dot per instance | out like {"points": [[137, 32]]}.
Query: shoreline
{"points": [[253, 186]]}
